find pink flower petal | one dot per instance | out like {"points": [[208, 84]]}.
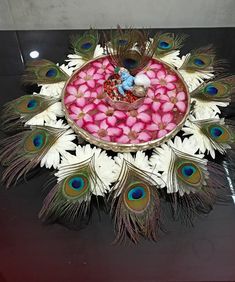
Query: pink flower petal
{"points": [[91, 71], [171, 93], [137, 127], [170, 126], [82, 74], [100, 116], [142, 108], [125, 128], [82, 88], [72, 90], [91, 127], [181, 96], [80, 122], [166, 118], [150, 74], [131, 121], [168, 106], [119, 114], [144, 136], [170, 86], [88, 108], [156, 118], [111, 120], [97, 76], [123, 139], [106, 138], [150, 93], [91, 83], [148, 100], [161, 133], [114, 131], [88, 118], [102, 108], [170, 78], [161, 74], [81, 102], [156, 106], [164, 98], [181, 106], [75, 110], [104, 124], [69, 99], [152, 127], [144, 117], [161, 91]]}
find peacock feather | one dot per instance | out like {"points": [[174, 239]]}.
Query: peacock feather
{"points": [[135, 204], [85, 45], [219, 90], [166, 43], [130, 49], [71, 196], [43, 72], [220, 135], [23, 151], [202, 60], [21, 110]]}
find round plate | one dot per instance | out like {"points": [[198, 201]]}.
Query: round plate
{"points": [[158, 118]]}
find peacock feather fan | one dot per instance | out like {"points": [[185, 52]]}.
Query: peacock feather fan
{"points": [[71, 196], [202, 60], [130, 49], [43, 72], [166, 43], [219, 90], [23, 151], [135, 204], [21, 110], [85, 45]]}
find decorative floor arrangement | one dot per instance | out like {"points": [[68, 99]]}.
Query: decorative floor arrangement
{"points": [[131, 123]]}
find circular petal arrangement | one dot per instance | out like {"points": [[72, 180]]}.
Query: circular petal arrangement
{"points": [[107, 120]]}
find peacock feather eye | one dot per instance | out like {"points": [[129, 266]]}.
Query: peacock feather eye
{"points": [[137, 196], [163, 45], [200, 61], [189, 173], [130, 63], [76, 185], [217, 89], [219, 133], [28, 104], [51, 72], [86, 45], [35, 142], [122, 42]]}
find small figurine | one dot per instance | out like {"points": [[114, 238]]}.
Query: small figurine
{"points": [[127, 81]]}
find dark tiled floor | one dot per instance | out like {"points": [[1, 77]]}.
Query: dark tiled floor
{"points": [[32, 252]]}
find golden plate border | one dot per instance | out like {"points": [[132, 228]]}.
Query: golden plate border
{"points": [[114, 146]]}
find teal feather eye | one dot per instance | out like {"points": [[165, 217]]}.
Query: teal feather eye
{"points": [[136, 193], [38, 141], [189, 173], [164, 45], [86, 45], [28, 104], [211, 90], [219, 133], [35, 142], [198, 62], [32, 104], [122, 42], [51, 72], [76, 185], [216, 132], [137, 196]]}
